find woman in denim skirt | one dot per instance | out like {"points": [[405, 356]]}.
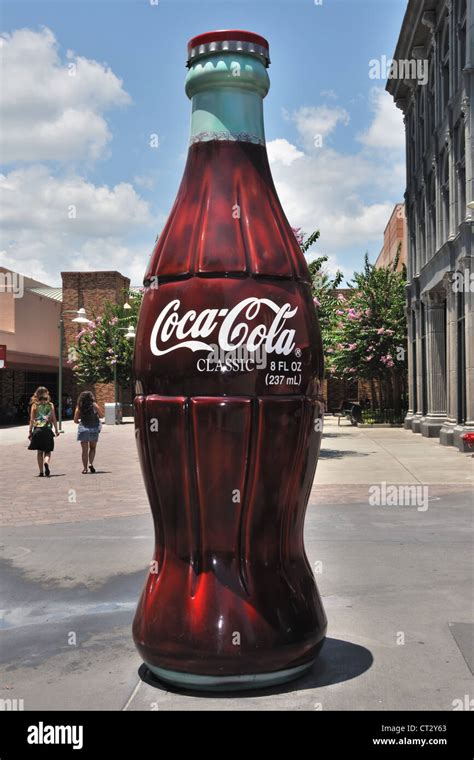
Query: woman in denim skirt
{"points": [[87, 416]]}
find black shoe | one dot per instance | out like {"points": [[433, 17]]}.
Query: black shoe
{"points": [[41, 475], [46, 470], [91, 468]]}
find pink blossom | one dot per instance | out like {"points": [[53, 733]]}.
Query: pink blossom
{"points": [[93, 342], [390, 332], [340, 346], [110, 350], [369, 358], [352, 346], [380, 331], [341, 298], [368, 312], [298, 235], [354, 315], [316, 302], [329, 350], [390, 363], [340, 312], [340, 325]]}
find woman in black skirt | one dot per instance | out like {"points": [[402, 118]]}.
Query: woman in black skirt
{"points": [[42, 421]]}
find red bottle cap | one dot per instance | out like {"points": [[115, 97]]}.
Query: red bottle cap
{"points": [[228, 40]]}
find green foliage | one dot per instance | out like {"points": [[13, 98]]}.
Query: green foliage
{"points": [[102, 344], [369, 339]]}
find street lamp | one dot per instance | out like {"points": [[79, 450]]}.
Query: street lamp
{"points": [[80, 319], [471, 205], [130, 335]]}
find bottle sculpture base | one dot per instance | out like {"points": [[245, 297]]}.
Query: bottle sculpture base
{"points": [[228, 683]]}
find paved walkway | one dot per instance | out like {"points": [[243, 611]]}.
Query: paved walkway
{"points": [[396, 581], [351, 460]]}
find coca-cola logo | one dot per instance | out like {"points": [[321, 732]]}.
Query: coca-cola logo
{"points": [[231, 328]]}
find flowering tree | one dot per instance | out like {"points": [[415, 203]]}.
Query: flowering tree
{"points": [[101, 345], [368, 337]]}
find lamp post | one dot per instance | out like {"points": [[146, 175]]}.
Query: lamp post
{"points": [[471, 205], [80, 319], [130, 335]]}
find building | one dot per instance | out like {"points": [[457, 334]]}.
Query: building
{"points": [[438, 113], [394, 240], [29, 321], [30, 316]]}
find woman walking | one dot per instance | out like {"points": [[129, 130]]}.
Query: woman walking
{"points": [[42, 421], [87, 416]]}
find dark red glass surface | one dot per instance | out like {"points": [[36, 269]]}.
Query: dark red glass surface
{"points": [[228, 565]]}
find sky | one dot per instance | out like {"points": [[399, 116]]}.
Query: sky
{"points": [[86, 83]]}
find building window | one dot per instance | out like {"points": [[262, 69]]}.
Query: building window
{"points": [[445, 197], [445, 69], [461, 34], [421, 122], [421, 216], [432, 123], [461, 355], [432, 212], [461, 172], [34, 379]]}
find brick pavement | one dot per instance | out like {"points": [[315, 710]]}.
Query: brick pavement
{"points": [[351, 458], [116, 490]]}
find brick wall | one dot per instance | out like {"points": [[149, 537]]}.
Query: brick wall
{"points": [[90, 290]]}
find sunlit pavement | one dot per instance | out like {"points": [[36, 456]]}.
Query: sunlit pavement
{"points": [[396, 581]]}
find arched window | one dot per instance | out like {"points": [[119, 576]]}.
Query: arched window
{"points": [[445, 68]]}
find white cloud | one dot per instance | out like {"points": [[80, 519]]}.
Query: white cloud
{"points": [[282, 151], [41, 236], [33, 198], [312, 122], [348, 196], [52, 108], [386, 130]]}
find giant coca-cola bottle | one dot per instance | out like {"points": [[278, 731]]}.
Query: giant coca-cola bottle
{"points": [[228, 367]]}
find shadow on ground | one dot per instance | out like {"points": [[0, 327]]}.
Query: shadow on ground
{"points": [[337, 454], [338, 661]]}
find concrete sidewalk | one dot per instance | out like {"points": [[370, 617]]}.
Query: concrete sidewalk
{"points": [[396, 581]]}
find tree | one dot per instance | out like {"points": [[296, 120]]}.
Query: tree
{"points": [[102, 344], [369, 340]]}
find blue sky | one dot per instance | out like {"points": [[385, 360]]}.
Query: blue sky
{"points": [[89, 82]]}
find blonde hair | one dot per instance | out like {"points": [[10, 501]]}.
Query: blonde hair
{"points": [[41, 394]]}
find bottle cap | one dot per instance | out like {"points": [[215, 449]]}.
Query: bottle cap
{"points": [[228, 41]]}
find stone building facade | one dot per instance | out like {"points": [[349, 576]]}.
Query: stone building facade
{"points": [[438, 115]]}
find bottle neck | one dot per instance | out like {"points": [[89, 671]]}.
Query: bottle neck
{"points": [[227, 98], [227, 114]]}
